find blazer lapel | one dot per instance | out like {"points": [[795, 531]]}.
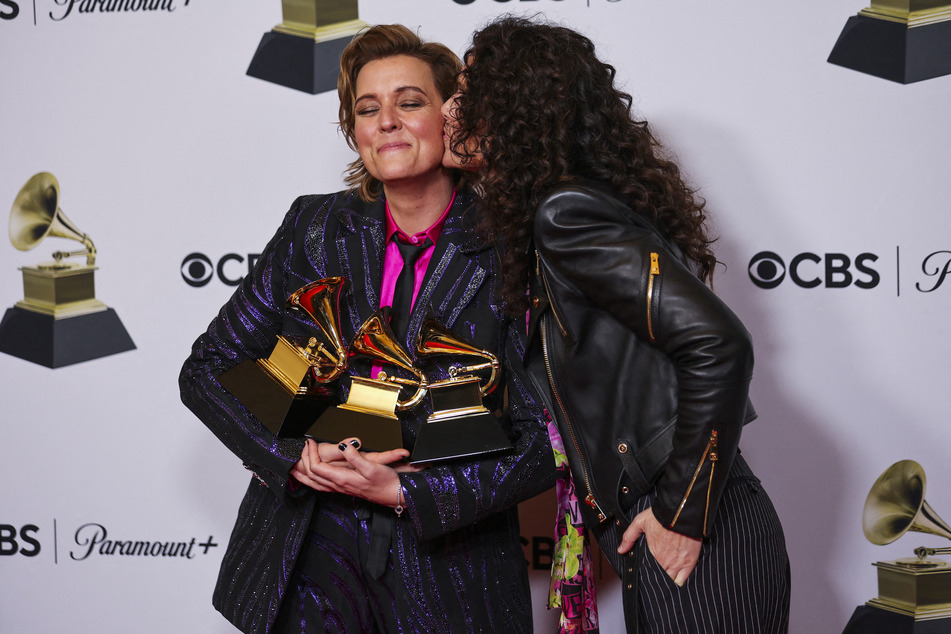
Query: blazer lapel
{"points": [[454, 276], [359, 259], [456, 271]]}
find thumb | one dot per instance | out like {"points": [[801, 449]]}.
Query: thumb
{"points": [[352, 454], [631, 535]]}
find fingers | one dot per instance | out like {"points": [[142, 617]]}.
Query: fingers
{"points": [[405, 467], [390, 457], [677, 554], [387, 457], [681, 572], [631, 535], [343, 468], [330, 452], [681, 577], [310, 479]]}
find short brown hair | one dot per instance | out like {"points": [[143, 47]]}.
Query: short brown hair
{"points": [[380, 42]]}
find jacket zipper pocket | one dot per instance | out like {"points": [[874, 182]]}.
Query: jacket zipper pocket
{"points": [[541, 273], [709, 453], [655, 271], [589, 499]]}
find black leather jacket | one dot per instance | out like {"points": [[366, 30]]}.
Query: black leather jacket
{"points": [[648, 369]]}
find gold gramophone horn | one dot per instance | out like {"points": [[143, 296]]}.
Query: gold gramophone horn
{"points": [[896, 505], [435, 338], [375, 339], [36, 214], [321, 300]]}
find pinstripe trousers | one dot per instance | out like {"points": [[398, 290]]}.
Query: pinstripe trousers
{"points": [[741, 584]]}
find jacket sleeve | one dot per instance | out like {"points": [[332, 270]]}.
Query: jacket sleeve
{"points": [[246, 328], [638, 281], [447, 497]]}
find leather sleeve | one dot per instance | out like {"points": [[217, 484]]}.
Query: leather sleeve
{"points": [[606, 253], [246, 328]]}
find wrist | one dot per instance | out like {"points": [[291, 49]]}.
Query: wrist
{"points": [[399, 508]]}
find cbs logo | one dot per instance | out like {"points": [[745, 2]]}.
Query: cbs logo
{"points": [[767, 269], [27, 544], [9, 9], [198, 269]]}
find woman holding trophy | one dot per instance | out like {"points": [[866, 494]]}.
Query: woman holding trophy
{"points": [[343, 540], [646, 369]]}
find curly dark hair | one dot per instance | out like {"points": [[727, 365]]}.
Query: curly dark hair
{"points": [[544, 112]]}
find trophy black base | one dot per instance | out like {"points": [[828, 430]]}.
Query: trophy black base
{"points": [[871, 620], [298, 62], [462, 437], [54, 343], [892, 50], [285, 414], [376, 433]]}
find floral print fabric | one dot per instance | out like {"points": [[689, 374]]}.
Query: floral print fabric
{"points": [[572, 581]]}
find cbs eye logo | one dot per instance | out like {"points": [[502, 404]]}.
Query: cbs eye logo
{"points": [[767, 269], [198, 270]]}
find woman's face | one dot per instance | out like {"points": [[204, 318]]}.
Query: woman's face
{"points": [[398, 125], [450, 159]]}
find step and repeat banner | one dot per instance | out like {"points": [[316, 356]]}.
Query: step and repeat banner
{"points": [[132, 134]]}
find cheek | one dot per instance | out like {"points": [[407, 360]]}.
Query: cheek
{"points": [[430, 129], [363, 139]]}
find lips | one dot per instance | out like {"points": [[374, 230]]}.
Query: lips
{"points": [[388, 147]]}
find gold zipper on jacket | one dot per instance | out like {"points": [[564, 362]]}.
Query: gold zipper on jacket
{"points": [[655, 271], [538, 272], [710, 452], [589, 499]]}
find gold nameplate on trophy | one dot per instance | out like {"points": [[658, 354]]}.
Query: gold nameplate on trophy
{"points": [[288, 390], [918, 588], [370, 411], [59, 321], [460, 425], [303, 51]]}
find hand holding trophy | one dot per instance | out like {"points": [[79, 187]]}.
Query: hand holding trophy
{"points": [[289, 391], [370, 410]]}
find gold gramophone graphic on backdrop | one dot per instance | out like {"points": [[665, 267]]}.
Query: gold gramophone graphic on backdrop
{"points": [[303, 51], [59, 321], [372, 404], [460, 425], [288, 390], [916, 587]]}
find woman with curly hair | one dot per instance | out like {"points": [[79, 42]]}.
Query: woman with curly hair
{"points": [[646, 369]]}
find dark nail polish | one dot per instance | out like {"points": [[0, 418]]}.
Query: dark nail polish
{"points": [[355, 443], [342, 447]]}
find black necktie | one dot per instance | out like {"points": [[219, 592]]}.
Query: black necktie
{"points": [[405, 283]]}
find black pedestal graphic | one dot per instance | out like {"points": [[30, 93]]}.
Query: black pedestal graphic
{"points": [[55, 343], [298, 62], [871, 620], [893, 50]]}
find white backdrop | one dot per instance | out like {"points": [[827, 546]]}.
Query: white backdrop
{"points": [[163, 147]]}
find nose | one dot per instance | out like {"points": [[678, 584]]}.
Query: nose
{"points": [[389, 119], [448, 108]]}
